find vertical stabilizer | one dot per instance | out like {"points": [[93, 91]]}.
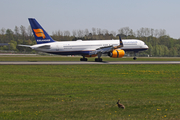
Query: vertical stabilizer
{"points": [[40, 34]]}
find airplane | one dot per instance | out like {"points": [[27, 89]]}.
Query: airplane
{"points": [[90, 48]]}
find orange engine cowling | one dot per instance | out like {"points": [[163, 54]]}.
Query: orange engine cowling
{"points": [[117, 53]]}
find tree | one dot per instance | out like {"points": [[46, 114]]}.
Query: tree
{"points": [[9, 35], [23, 32], [3, 31], [173, 52], [162, 32], [94, 31], [105, 31], [13, 45], [152, 32], [86, 32], [99, 31], [166, 51], [150, 50], [80, 33], [16, 31], [67, 33], [156, 33], [113, 33], [29, 32], [74, 32]]}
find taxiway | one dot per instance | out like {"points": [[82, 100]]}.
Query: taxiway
{"points": [[82, 63]]}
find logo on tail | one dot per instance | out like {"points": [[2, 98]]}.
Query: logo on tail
{"points": [[39, 33]]}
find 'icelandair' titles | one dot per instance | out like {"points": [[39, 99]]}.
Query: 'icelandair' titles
{"points": [[43, 40]]}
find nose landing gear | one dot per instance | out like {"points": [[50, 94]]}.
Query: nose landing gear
{"points": [[134, 58], [135, 54]]}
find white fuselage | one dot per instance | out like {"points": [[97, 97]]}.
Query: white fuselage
{"points": [[80, 47]]}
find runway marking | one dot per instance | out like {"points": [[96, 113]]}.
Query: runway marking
{"points": [[86, 62]]}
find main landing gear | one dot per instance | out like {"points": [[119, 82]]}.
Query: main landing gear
{"points": [[96, 59], [99, 59], [83, 59]]}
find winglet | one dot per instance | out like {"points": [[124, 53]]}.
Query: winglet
{"points": [[120, 40], [120, 43]]}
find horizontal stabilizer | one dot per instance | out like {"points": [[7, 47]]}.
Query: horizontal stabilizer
{"points": [[25, 45]]}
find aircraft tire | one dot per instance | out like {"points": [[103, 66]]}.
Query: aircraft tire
{"points": [[134, 58], [98, 59], [83, 59]]}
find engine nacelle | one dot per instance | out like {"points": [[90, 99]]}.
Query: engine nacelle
{"points": [[117, 53]]}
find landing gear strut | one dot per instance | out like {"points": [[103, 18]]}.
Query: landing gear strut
{"points": [[83, 59]]}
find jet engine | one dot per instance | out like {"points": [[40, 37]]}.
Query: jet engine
{"points": [[118, 53]]}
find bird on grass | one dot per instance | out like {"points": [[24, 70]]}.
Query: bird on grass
{"points": [[120, 105]]}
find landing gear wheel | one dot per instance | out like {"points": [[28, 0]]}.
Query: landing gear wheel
{"points": [[83, 59], [135, 54], [134, 58], [98, 59]]}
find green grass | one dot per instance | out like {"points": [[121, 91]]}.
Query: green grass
{"points": [[89, 92], [77, 58]]}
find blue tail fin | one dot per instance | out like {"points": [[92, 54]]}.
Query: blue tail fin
{"points": [[40, 34]]}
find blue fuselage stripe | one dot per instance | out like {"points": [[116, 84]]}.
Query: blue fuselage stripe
{"points": [[71, 53]]}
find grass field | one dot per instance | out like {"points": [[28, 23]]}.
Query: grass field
{"points": [[89, 92]]}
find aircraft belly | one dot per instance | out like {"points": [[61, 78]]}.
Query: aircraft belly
{"points": [[70, 52]]}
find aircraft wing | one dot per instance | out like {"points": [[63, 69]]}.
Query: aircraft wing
{"points": [[102, 50], [107, 48]]}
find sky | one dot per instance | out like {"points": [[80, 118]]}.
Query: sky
{"points": [[112, 15]]}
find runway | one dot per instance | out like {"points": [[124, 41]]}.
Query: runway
{"points": [[86, 62]]}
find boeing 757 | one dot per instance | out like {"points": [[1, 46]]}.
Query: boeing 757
{"points": [[90, 48]]}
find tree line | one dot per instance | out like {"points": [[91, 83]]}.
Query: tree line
{"points": [[160, 44]]}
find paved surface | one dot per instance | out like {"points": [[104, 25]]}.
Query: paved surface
{"points": [[81, 63], [10, 54]]}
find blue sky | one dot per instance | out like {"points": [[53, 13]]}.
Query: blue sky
{"points": [[71, 15]]}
